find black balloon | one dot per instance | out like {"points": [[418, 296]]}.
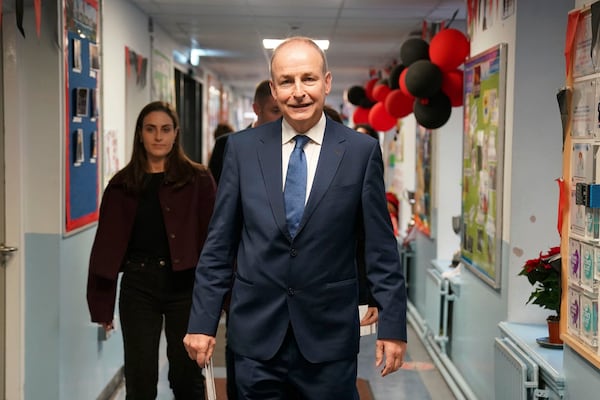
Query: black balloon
{"points": [[423, 79], [433, 112], [395, 76], [414, 49], [356, 94], [367, 103]]}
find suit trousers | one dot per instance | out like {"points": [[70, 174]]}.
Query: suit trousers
{"points": [[288, 375], [150, 292]]}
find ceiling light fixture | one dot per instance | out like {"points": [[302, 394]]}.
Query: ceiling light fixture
{"points": [[270, 44]]}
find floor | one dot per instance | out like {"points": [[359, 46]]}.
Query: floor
{"points": [[418, 379]]}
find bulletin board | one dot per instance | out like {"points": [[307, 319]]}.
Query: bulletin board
{"points": [[82, 109], [483, 155]]}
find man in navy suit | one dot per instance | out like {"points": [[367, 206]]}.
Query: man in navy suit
{"points": [[293, 318]]}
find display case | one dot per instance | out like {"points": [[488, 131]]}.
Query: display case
{"points": [[581, 175]]}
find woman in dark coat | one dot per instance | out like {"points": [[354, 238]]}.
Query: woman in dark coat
{"points": [[153, 222]]}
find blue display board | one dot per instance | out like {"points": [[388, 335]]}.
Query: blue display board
{"points": [[82, 68]]}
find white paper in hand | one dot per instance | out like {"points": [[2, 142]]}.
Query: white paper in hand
{"points": [[209, 375]]}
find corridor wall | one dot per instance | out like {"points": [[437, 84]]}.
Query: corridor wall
{"points": [[532, 145], [52, 348], [532, 148]]}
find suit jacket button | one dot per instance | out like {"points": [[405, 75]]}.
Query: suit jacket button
{"points": [[290, 292], [293, 252]]}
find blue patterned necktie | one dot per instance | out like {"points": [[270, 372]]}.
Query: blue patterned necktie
{"points": [[294, 192]]}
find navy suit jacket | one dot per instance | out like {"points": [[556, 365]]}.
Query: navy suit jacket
{"points": [[309, 282]]}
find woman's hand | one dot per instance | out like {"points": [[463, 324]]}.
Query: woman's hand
{"points": [[108, 326]]}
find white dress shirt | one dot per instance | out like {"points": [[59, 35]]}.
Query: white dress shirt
{"points": [[312, 149]]}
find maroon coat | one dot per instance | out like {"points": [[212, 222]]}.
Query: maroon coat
{"points": [[186, 212]]}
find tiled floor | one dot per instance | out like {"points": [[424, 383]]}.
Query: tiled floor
{"points": [[417, 380]]}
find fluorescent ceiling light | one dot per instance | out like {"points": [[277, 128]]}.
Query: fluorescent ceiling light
{"points": [[195, 55], [270, 44]]}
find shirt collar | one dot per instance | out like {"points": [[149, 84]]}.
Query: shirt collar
{"points": [[315, 133]]}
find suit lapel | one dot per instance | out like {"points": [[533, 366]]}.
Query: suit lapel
{"points": [[269, 157], [332, 152]]}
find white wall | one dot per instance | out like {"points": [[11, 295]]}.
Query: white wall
{"points": [[123, 25], [536, 143], [447, 180]]}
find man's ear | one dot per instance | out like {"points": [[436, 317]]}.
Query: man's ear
{"points": [[328, 79]]}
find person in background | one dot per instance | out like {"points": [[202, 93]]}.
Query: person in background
{"points": [[293, 318], [333, 114], [266, 109], [368, 130], [393, 205], [264, 105], [222, 129], [215, 163], [152, 225]]}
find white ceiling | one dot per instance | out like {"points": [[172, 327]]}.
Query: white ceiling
{"points": [[364, 34]]}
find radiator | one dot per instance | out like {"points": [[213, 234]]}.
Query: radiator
{"points": [[437, 307], [516, 375]]}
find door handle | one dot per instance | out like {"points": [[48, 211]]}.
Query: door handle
{"points": [[7, 250]]}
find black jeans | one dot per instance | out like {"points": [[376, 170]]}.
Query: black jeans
{"points": [[151, 290]]}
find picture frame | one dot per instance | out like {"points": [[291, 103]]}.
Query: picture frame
{"points": [[93, 146], [76, 59], [79, 154], [483, 155], [95, 103], [94, 56], [81, 101]]}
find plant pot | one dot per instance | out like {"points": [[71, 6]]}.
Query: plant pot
{"points": [[554, 331]]}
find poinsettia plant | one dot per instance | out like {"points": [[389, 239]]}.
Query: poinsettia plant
{"points": [[544, 275]]}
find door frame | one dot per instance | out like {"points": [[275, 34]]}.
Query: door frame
{"points": [[15, 266]]}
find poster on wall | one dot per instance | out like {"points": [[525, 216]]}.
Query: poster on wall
{"points": [[162, 77], [483, 155], [82, 115], [423, 196]]}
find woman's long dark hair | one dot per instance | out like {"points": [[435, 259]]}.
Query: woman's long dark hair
{"points": [[179, 169]]}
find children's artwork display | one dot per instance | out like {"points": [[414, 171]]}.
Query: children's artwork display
{"points": [[82, 112], [483, 154]]}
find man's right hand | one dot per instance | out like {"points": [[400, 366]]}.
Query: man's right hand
{"points": [[199, 347]]}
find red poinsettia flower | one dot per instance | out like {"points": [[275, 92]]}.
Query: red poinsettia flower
{"points": [[544, 275]]}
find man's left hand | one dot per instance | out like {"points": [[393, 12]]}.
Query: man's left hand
{"points": [[393, 351]]}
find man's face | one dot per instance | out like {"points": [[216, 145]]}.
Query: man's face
{"points": [[299, 84], [267, 111]]}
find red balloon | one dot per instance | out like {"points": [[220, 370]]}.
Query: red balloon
{"points": [[361, 116], [448, 49], [369, 88], [452, 86], [402, 82], [379, 118], [380, 91], [398, 104]]}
